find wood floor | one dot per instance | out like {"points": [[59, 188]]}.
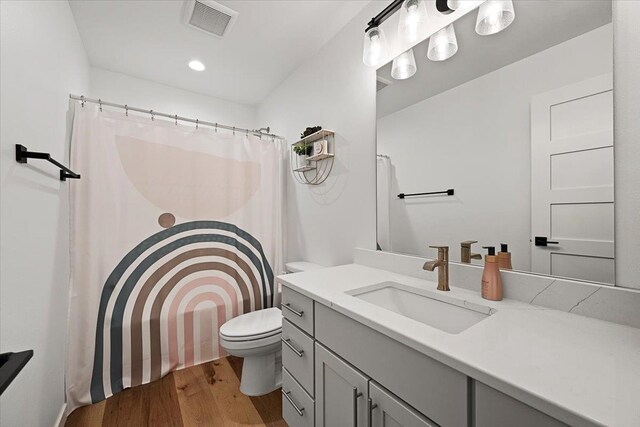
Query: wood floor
{"points": [[203, 395]]}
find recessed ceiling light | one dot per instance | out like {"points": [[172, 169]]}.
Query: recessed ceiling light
{"points": [[196, 65]]}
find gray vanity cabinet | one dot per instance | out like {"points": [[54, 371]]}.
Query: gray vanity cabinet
{"points": [[434, 389], [495, 409], [298, 405], [341, 392], [339, 372], [389, 411]]}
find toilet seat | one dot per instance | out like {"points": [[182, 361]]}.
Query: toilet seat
{"points": [[251, 327], [254, 344]]}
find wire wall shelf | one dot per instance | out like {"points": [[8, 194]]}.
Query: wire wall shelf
{"points": [[314, 166]]}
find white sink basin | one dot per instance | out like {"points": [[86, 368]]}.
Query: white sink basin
{"points": [[416, 304]]}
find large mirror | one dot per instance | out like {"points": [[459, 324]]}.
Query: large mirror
{"points": [[519, 124]]}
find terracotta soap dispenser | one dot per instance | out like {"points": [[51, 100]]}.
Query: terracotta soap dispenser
{"points": [[504, 257], [491, 281]]}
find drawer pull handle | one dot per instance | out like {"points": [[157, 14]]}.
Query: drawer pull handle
{"points": [[356, 395], [286, 394], [372, 406], [293, 310], [288, 343]]}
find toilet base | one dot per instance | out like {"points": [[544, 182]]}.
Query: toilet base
{"points": [[261, 374]]}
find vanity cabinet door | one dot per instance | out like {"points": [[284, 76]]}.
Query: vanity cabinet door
{"points": [[495, 409], [386, 410], [341, 392]]}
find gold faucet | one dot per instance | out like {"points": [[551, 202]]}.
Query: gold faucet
{"points": [[465, 252], [442, 264]]}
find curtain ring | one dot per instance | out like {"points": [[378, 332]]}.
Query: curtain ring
{"points": [[246, 131], [197, 123], [176, 117], [100, 103], [151, 112], [216, 126], [82, 101], [126, 110]]}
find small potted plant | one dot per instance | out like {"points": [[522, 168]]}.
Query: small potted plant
{"points": [[304, 149]]}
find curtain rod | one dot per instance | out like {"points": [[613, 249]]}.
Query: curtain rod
{"points": [[257, 132]]}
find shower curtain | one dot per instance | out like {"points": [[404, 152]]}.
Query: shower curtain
{"points": [[383, 169], [174, 230]]}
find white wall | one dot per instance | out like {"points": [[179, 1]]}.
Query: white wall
{"points": [[335, 90], [124, 89], [626, 15], [475, 138], [42, 61]]}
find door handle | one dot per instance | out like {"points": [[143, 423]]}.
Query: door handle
{"points": [[542, 241], [356, 395], [286, 394], [294, 311], [286, 341], [371, 407]]}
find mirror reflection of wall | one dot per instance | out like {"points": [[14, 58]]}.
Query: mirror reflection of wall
{"points": [[520, 124]]}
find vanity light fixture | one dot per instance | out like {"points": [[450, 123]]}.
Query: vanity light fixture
{"points": [[404, 65], [443, 44], [413, 14], [494, 16], [196, 65], [375, 47]]}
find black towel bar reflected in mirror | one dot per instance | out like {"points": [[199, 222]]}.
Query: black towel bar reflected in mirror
{"points": [[448, 192], [22, 154]]}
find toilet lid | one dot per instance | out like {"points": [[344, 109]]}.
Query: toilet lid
{"points": [[253, 325]]}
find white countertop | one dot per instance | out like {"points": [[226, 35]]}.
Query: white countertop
{"points": [[579, 370]]}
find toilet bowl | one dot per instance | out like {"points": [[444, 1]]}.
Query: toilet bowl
{"points": [[256, 336]]}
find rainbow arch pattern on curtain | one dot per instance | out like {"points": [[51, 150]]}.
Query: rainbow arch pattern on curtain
{"points": [[139, 311]]}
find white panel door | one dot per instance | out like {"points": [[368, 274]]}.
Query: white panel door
{"points": [[572, 181]]}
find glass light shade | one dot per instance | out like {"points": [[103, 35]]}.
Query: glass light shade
{"points": [[404, 66], [453, 4], [443, 44], [376, 48], [413, 14], [494, 16]]}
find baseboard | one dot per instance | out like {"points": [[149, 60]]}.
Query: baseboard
{"points": [[62, 417]]}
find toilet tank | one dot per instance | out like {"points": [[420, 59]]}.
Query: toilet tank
{"points": [[294, 267], [299, 266]]}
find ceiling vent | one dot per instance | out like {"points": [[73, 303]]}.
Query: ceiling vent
{"points": [[210, 17]]}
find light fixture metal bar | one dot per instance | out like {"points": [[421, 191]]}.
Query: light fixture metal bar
{"points": [[441, 6], [384, 15]]}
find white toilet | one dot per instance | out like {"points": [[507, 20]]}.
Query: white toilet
{"points": [[256, 337]]}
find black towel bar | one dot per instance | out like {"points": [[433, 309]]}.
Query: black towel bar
{"points": [[448, 192], [10, 365], [22, 154]]}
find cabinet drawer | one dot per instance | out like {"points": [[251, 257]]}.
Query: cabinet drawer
{"points": [[297, 355], [297, 407], [298, 309], [434, 389]]}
